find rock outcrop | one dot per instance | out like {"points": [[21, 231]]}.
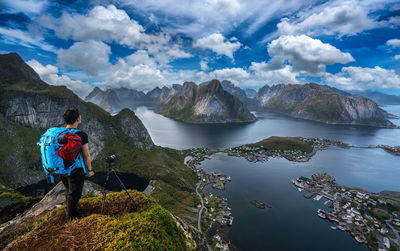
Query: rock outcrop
{"points": [[125, 224], [320, 103], [208, 103]]}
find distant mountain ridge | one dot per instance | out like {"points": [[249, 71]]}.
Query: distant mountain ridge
{"points": [[380, 98], [320, 103]]}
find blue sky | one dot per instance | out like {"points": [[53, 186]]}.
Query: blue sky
{"points": [[352, 45]]}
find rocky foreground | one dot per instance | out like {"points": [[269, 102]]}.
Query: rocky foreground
{"points": [[141, 224]]}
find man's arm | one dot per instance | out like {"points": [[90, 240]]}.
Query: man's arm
{"points": [[87, 159]]}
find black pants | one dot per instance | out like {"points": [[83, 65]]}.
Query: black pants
{"points": [[73, 193]]}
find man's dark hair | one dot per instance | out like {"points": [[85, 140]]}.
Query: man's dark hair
{"points": [[71, 116]]}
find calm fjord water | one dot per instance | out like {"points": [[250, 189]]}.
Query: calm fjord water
{"points": [[292, 223]]}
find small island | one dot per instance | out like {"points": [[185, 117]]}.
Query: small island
{"points": [[260, 204], [296, 149]]}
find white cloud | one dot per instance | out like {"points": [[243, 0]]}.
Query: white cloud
{"points": [[29, 7], [337, 18], [233, 74], [216, 42], [112, 25], [107, 24], [198, 18], [393, 43], [359, 78], [342, 17], [91, 56], [397, 57], [175, 52], [265, 74], [204, 66], [49, 74], [19, 37], [141, 57], [141, 77], [305, 54]]}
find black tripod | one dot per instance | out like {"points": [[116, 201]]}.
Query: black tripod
{"points": [[110, 161]]}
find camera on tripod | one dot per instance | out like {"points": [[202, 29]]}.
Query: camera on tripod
{"points": [[111, 158]]}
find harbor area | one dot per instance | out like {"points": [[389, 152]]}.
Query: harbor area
{"points": [[371, 218]]}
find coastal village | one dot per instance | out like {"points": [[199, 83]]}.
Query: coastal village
{"points": [[370, 218], [395, 150], [215, 214]]}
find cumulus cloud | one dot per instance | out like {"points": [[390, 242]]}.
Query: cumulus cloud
{"points": [[305, 54], [112, 25], [397, 57], [217, 43], [337, 17], [107, 24], [393, 43], [91, 56], [49, 74], [19, 37], [359, 78], [141, 77], [233, 74], [141, 57], [264, 73]]}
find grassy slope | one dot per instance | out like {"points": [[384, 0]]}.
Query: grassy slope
{"points": [[174, 182], [142, 225], [283, 143]]}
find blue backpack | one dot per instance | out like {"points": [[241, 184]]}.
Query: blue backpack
{"points": [[52, 163]]}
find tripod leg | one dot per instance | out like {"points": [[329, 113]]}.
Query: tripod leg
{"points": [[104, 188], [123, 186]]}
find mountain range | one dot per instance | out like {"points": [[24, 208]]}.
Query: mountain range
{"points": [[217, 102]]}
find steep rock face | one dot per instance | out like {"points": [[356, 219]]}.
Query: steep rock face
{"points": [[234, 90], [206, 104], [319, 103], [134, 128], [37, 106], [168, 93]]}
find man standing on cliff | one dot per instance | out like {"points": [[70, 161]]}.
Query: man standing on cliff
{"points": [[74, 182]]}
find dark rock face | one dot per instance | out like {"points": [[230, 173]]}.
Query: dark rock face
{"points": [[319, 103], [205, 104], [36, 106]]}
